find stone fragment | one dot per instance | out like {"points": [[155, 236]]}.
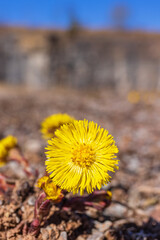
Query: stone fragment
{"points": [[63, 236], [96, 236], [116, 210], [45, 234], [31, 201], [33, 145], [102, 227]]}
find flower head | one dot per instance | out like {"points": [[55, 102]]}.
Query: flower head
{"points": [[9, 142], [134, 97], [80, 156], [51, 190], [3, 155], [53, 122]]}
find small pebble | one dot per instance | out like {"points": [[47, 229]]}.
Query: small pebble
{"points": [[119, 223], [31, 201], [33, 145], [45, 234], [80, 238], [116, 210], [17, 220], [91, 212], [63, 236], [96, 236], [13, 166], [102, 227], [22, 208], [11, 210]]}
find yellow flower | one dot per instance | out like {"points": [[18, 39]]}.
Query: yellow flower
{"points": [[134, 97], [41, 181], [80, 157], [51, 190], [9, 142], [3, 155], [51, 123]]}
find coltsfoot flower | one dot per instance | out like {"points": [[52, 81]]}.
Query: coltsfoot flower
{"points": [[9, 142], [6, 144], [3, 155], [51, 190], [134, 97], [53, 122], [80, 157]]}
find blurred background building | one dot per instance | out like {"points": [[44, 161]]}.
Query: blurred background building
{"points": [[113, 44]]}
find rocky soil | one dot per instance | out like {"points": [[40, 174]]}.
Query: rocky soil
{"points": [[134, 213]]}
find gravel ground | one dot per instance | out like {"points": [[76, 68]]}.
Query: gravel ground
{"points": [[135, 209]]}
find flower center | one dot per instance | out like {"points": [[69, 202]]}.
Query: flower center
{"points": [[83, 155]]}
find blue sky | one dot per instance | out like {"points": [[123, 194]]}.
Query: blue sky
{"points": [[95, 14]]}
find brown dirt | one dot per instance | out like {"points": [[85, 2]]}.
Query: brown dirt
{"points": [[135, 209]]}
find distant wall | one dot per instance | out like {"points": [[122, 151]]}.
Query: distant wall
{"points": [[121, 61]]}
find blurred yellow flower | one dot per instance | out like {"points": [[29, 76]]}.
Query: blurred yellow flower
{"points": [[134, 97], [9, 142], [41, 181], [53, 122], [51, 190], [80, 157], [3, 155]]}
